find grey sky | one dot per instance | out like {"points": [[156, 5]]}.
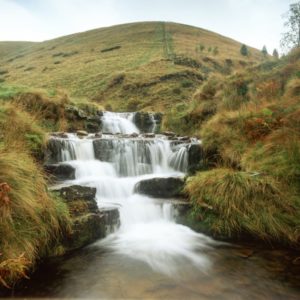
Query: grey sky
{"points": [[253, 22]]}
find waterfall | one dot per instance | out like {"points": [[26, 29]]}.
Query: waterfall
{"points": [[118, 123], [114, 164]]}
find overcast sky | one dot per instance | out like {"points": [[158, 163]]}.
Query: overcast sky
{"points": [[253, 22]]}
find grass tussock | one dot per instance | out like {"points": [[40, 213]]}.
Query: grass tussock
{"points": [[235, 203], [31, 220]]}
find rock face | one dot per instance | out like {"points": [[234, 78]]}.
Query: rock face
{"points": [[146, 122], [195, 157], [89, 120], [160, 187], [89, 223], [103, 149], [60, 171]]}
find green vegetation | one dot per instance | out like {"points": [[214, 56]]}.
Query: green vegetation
{"points": [[244, 50], [32, 221], [244, 105], [145, 54], [252, 144], [233, 203]]}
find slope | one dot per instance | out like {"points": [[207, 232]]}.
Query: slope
{"points": [[127, 67]]}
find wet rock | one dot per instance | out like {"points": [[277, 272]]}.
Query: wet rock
{"points": [[103, 149], [89, 223], [134, 135], [169, 133], [78, 192], [186, 139], [53, 153], [60, 171], [93, 126], [82, 133], [111, 218], [149, 135], [160, 187], [59, 134], [98, 134], [146, 122], [195, 157]]}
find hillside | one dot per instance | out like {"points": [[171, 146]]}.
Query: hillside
{"points": [[138, 66]]}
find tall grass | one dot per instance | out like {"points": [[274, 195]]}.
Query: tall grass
{"points": [[30, 219], [245, 203]]}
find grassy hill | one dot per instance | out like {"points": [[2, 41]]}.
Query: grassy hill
{"points": [[138, 66]]}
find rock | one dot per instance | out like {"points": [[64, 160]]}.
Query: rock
{"points": [[82, 133], [160, 187], [78, 192], [89, 223], [99, 113], [146, 122], [149, 135], [134, 135], [93, 126], [103, 149], [98, 134], [184, 139], [111, 218], [195, 157], [169, 133], [60, 134], [61, 171], [181, 210]]}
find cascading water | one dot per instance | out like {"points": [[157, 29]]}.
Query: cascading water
{"points": [[148, 232], [118, 123]]}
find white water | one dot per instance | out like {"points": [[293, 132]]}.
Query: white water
{"points": [[148, 232], [118, 123]]}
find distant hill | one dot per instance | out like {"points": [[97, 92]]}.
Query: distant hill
{"points": [[138, 66]]}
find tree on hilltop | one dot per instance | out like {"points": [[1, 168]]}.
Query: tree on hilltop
{"points": [[244, 50], [264, 51], [275, 53], [291, 38]]}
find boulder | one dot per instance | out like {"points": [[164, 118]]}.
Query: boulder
{"points": [[146, 122], [89, 223], [60, 171], [103, 149], [160, 187], [78, 192]]}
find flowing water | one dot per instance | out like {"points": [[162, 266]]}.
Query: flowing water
{"points": [[149, 256]]}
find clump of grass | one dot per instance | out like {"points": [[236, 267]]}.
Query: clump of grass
{"points": [[20, 128], [236, 203], [31, 221], [278, 156]]}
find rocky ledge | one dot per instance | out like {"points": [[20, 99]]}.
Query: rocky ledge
{"points": [[161, 187], [89, 222]]}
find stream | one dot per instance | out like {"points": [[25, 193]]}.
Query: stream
{"points": [[151, 256]]}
